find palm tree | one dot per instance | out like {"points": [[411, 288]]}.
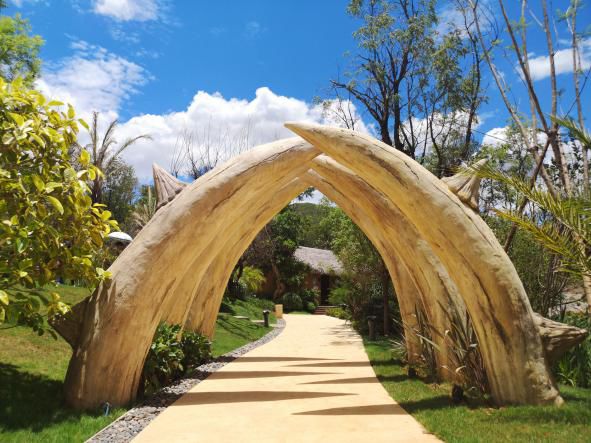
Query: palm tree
{"points": [[144, 212], [565, 229], [104, 151]]}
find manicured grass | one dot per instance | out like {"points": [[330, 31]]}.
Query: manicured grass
{"points": [[251, 308], [32, 370], [231, 333], [478, 422]]}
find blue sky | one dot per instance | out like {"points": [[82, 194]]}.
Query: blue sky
{"points": [[232, 47], [256, 64]]}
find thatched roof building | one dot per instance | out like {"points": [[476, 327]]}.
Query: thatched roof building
{"points": [[323, 261]]}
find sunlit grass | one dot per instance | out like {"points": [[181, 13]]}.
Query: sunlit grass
{"points": [[32, 370], [431, 405]]}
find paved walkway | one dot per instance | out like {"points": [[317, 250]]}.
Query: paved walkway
{"points": [[313, 383]]}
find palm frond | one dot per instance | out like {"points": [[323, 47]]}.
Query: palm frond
{"points": [[576, 131], [566, 231]]}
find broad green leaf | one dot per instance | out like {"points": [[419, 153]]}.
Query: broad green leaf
{"points": [[17, 118], [84, 158], [38, 182], [38, 139], [49, 187], [4, 298], [56, 204]]}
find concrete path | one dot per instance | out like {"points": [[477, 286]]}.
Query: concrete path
{"points": [[313, 383]]}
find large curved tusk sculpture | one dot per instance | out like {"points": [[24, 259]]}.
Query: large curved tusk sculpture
{"points": [[440, 254]]}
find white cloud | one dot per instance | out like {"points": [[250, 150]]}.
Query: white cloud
{"points": [[122, 35], [93, 79], [451, 18], [127, 10], [495, 136], [563, 61], [441, 125], [230, 125]]}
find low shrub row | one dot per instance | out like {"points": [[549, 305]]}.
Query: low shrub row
{"points": [[173, 353], [338, 312], [305, 300]]}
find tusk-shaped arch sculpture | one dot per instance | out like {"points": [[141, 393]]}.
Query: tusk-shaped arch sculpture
{"points": [[495, 298]]}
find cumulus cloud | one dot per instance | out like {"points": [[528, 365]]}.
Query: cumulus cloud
{"points": [[227, 126], [92, 79], [128, 10], [495, 136], [441, 126], [563, 61]]}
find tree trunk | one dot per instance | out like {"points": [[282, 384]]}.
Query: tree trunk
{"points": [[386, 298], [279, 285]]}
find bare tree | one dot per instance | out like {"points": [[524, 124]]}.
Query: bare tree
{"points": [[178, 154], [392, 41], [339, 109], [199, 150], [548, 122], [570, 17]]}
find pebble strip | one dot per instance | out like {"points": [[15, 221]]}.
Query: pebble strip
{"points": [[130, 424]]}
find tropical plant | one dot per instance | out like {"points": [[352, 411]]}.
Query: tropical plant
{"points": [[119, 192], [172, 354], [574, 367], [310, 298], [105, 150], [273, 250], [339, 312], [144, 210], [252, 278], [565, 229], [292, 302], [197, 349], [49, 227]]}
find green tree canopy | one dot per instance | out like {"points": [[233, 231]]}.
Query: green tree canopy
{"points": [[49, 228], [19, 51]]}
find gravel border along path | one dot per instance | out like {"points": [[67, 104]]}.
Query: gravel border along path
{"points": [[130, 424]]}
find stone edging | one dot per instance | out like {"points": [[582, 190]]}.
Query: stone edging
{"points": [[130, 424]]}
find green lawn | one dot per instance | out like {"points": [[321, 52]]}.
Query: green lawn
{"points": [[231, 333], [430, 404], [32, 370]]}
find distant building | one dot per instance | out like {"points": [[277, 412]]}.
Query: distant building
{"points": [[323, 269]]}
